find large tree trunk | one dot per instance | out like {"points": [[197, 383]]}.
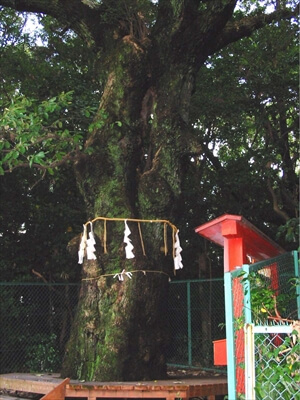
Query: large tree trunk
{"points": [[140, 140], [135, 171]]}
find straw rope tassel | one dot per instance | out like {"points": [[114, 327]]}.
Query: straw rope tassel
{"points": [[174, 250], [141, 238], [105, 238], [174, 241], [165, 222], [165, 239]]}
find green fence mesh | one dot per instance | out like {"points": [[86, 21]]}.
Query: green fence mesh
{"points": [[35, 321]]}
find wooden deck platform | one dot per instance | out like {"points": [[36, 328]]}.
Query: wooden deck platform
{"points": [[55, 388]]}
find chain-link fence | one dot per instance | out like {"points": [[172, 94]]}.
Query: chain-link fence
{"points": [[35, 321], [260, 293], [196, 315], [273, 365]]}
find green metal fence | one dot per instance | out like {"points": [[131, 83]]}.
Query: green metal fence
{"points": [[35, 322], [196, 315], [252, 357]]}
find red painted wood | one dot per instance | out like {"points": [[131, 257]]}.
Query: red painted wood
{"points": [[254, 242], [58, 393]]}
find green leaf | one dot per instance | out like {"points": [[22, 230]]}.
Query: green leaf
{"points": [[8, 156], [15, 154], [77, 138], [41, 154]]}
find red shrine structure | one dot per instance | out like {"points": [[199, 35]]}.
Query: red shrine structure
{"points": [[243, 244]]}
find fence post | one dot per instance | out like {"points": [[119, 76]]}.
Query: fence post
{"points": [[189, 323], [296, 266], [230, 340], [249, 362], [247, 295]]}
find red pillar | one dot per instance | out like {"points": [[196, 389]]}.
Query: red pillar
{"points": [[234, 245], [235, 256]]}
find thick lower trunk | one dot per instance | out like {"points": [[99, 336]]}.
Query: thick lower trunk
{"points": [[120, 331]]}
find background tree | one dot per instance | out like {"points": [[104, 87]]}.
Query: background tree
{"points": [[242, 165], [38, 216], [150, 62]]}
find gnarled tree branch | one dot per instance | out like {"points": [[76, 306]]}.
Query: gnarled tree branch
{"points": [[82, 17], [236, 30]]}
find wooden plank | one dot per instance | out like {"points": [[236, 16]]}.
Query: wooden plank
{"points": [[208, 389], [146, 390], [56, 388], [133, 394], [58, 393], [6, 397], [28, 383]]}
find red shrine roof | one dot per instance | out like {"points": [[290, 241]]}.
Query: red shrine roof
{"points": [[257, 244]]}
